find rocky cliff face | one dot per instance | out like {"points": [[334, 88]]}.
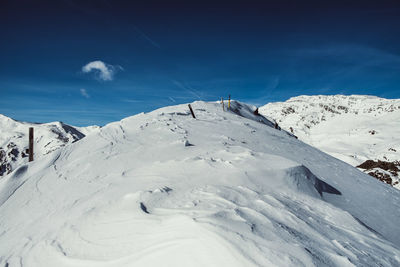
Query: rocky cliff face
{"points": [[353, 128]]}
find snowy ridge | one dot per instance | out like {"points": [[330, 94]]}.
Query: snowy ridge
{"points": [[353, 128], [164, 189], [47, 137]]}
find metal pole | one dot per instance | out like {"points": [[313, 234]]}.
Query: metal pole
{"points": [[191, 111], [30, 143]]}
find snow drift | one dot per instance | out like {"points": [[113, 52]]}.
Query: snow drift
{"points": [[242, 194]]}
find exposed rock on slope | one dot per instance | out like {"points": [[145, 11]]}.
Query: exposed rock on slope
{"points": [[352, 128], [382, 170]]}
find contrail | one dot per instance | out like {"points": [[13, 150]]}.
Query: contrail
{"points": [[146, 37], [186, 88]]}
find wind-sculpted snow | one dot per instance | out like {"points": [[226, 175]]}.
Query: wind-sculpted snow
{"points": [[248, 112], [13, 184], [305, 180], [242, 194], [352, 128]]}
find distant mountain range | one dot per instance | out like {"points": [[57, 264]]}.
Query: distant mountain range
{"points": [[47, 138], [361, 130]]}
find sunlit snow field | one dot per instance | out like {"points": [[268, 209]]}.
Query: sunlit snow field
{"points": [[224, 189]]}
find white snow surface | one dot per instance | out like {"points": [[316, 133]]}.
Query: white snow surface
{"points": [[224, 189], [351, 128]]}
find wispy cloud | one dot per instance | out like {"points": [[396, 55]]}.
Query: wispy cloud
{"points": [[132, 100], [84, 93], [101, 70], [352, 54], [342, 65], [186, 88], [268, 93]]}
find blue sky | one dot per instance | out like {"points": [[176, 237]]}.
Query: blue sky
{"points": [[165, 53]]}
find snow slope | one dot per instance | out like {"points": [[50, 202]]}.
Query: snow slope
{"points": [[225, 189], [352, 128], [47, 138]]}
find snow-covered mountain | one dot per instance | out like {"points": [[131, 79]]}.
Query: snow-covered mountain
{"points": [[224, 189], [360, 130], [47, 138]]}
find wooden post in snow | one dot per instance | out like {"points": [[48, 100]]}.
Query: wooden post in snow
{"points": [[229, 102], [191, 111], [30, 143]]}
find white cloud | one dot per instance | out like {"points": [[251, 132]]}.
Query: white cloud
{"points": [[84, 93], [101, 70]]}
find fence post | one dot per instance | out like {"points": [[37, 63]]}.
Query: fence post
{"points": [[191, 111], [229, 102], [30, 143]]}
